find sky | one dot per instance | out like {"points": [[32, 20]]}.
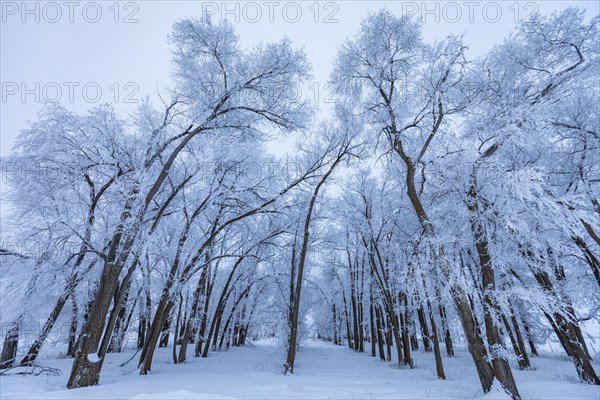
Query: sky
{"points": [[83, 54]]}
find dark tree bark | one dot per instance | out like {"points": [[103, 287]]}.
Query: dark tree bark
{"points": [[589, 257], [372, 325], [388, 341], [424, 329], [522, 359], [403, 303], [336, 340], [10, 345], [380, 332], [347, 318], [446, 329], [118, 334], [227, 328], [568, 334], [519, 337], [165, 332], [34, 350], [356, 336], [143, 324], [439, 366], [529, 337], [176, 333], [361, 329], [73, 328], [206, 291]]}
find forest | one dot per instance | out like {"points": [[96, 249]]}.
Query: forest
{"points": [[449, 205]]}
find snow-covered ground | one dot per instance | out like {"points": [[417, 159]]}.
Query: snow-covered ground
{"points": [[323, 371]]}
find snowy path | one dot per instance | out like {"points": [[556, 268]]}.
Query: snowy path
{"points": [[322, 371]]}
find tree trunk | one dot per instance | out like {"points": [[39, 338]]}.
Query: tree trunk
{"points": [[439, 366], [446, 329], [176, 333], [202, 335], [348, 333], [568, 334], [590, 258], [380, 330], [143, 324], [519, 337], [403, 303], [86, 366], [188, 332], [522, 359], [10, 345], [361, 330], [424, 329], [118, 333], [388, 341], [153, 336], [165, 333], [414, 342], [373, 328], [354, 316], [73, 328], [33, 351]]}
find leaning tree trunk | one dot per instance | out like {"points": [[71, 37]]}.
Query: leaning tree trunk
{"points": [[153, 336], [34, 350], [567, 333], [523, 360], [529, 337], [589, 257], [519, 337]]}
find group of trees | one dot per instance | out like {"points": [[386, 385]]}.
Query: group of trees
{"points": [[448, 201]]}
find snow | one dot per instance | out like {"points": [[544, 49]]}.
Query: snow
{"points": [[93, 357], [496, 393], [179, 394], [322, 371]]}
